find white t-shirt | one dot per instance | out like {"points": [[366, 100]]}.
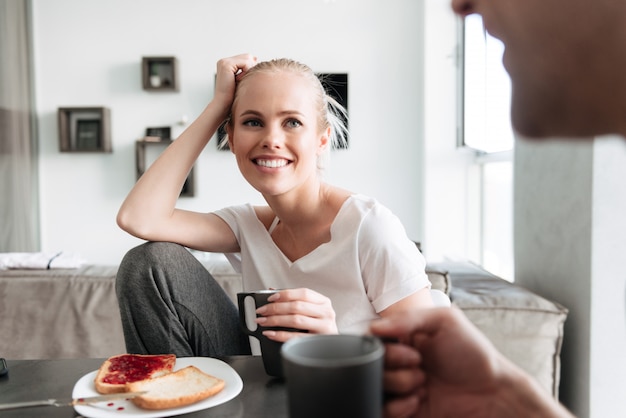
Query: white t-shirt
{"points": [[368, 264]]}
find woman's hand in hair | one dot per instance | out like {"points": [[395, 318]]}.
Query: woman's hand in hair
{"points": [[229, 70]]}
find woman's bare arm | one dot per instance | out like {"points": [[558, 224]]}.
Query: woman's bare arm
{"points": [[149, 211]]}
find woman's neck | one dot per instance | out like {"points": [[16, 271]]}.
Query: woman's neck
{"points": [[305, 222], [303, 206]]}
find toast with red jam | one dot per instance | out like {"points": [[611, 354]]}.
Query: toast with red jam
{"points": [[117, 371]]}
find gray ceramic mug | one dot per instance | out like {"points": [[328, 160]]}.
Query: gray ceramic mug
{"points": [[334, 376], [270, 349]]}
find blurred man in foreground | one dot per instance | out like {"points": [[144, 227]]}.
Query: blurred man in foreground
{"points": [[566, 61]]}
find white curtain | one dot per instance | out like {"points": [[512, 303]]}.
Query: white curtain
{"points": [[19, 203]]}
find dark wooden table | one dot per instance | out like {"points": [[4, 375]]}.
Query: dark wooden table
{"points": [[262, 395]]}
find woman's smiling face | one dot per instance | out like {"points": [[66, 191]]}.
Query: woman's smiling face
{"points": [[274, 131]]}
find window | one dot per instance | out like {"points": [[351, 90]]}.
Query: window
{"points": [[485, 128], [497, 220], [486, 91]]}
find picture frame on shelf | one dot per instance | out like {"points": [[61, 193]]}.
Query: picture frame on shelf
{"points": [[88, 134], [84, 129], [163, 132]]}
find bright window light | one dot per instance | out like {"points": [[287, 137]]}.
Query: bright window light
{"points": [[487, 91], [485, 127]]}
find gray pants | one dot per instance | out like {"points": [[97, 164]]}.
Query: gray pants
{"points": [[170, 303]]}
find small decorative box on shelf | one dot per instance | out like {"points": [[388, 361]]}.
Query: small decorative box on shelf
{"points": [[159, 73], [147, 151], [84, 129]]}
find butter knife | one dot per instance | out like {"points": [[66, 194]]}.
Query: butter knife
{"points": [[71, 402]]}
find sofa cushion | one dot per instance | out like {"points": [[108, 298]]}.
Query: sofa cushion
{"points": [[438, 278], [525, 327]]}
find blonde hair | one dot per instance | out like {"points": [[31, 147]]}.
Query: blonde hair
{"points": [[330, 112]]}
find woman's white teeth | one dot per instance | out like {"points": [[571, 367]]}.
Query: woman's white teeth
{"points": [[272, 163]]}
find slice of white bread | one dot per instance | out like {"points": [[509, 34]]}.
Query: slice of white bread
{"points": [[183, 387], [117, 371]]}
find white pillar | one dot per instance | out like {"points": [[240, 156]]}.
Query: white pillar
{"points": [[570, 246]]}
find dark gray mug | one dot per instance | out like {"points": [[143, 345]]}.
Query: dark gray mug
{"points": [[334, 376], [270, 349]]}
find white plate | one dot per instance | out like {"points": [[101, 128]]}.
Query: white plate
{"points": [[85, 387]]}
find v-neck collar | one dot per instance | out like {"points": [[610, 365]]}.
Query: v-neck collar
{"points": [[322, 247]]}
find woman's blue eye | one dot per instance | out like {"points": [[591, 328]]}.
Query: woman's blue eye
{"points": [[252, 122], [293, 123]]}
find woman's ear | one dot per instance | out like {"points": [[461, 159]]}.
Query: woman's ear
{"points": [[229, 134], [324, 141]]}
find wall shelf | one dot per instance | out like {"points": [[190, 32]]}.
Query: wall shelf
{"points": [[147, 150], [84, 129], [159, 73]]}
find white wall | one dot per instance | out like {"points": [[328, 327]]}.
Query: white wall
{"points": [[88, 53], [450, 177], [608, 278]]}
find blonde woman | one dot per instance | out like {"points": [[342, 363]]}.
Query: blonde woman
{"points": [[343, 258]]}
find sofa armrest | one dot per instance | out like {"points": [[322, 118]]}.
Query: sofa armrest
{"points": [[525, 327], [60, 313]]}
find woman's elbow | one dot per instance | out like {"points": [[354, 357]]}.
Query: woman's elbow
{"points": [[128, 223]]}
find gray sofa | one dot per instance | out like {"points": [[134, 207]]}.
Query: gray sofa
{"points": [[73, 313]]}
